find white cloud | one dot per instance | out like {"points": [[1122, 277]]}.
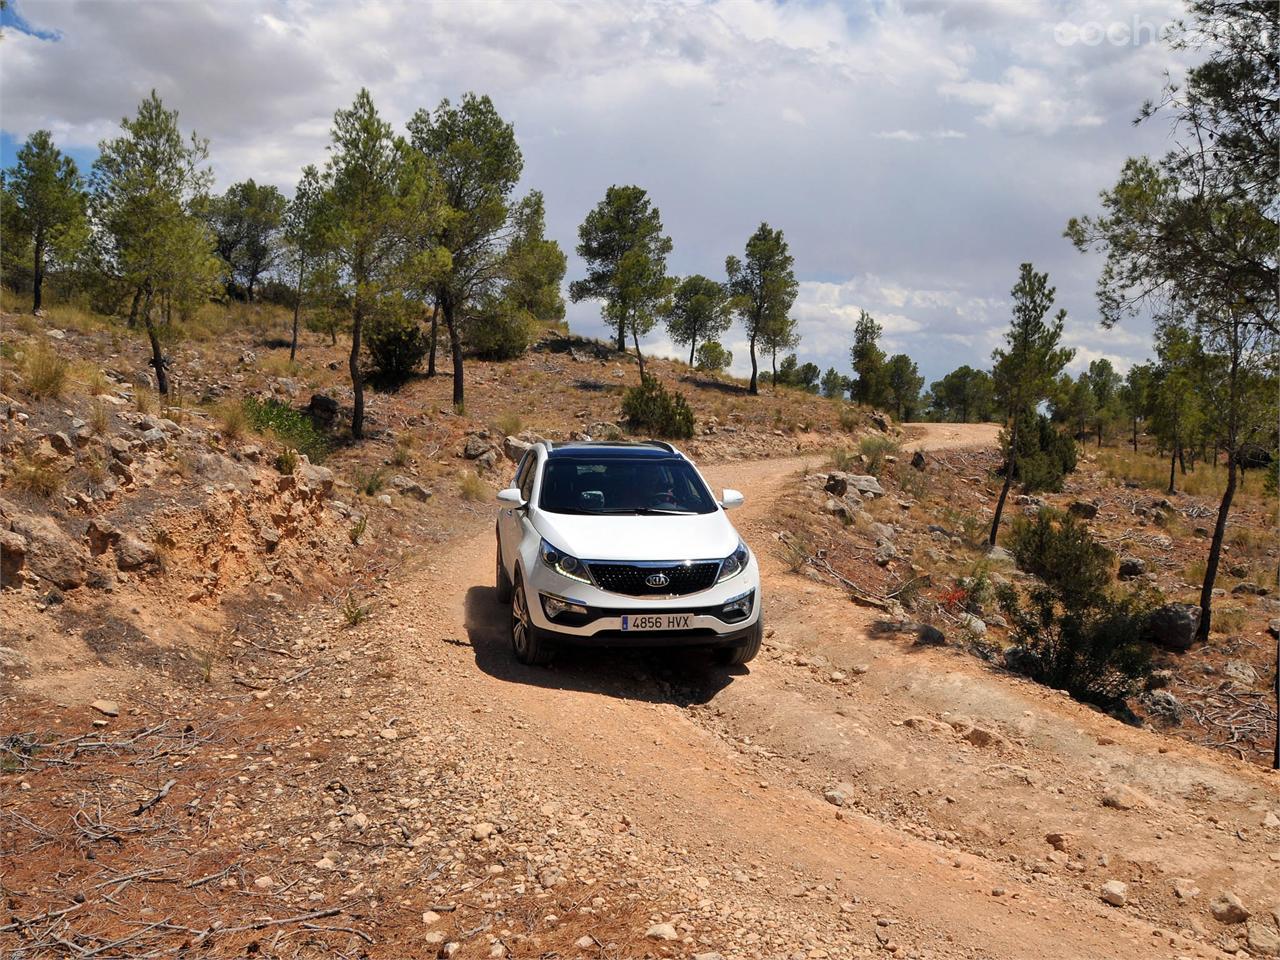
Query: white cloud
{"points": [[913, 151]]}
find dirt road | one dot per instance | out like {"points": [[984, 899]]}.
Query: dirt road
{"points": [[952, 779]]}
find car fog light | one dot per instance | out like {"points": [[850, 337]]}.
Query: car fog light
{"points": [[740, 607], [555, 606]]}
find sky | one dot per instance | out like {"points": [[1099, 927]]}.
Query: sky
{"points": [[914, 152]]}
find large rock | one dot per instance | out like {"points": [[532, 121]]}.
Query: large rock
{"points": [[837, 484], [1227, 908], [1084, 509], [51, 554], [475, 447], [408, 487], [1173, 626], [323, 409], [133, 553], [1131, 568], [866, 485], [13, 554], [314, 481], [1263, 940], [513, 448]]}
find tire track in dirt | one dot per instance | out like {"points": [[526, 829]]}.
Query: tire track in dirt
{"points": [[782, 869]]}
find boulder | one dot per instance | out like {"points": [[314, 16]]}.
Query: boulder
{"points": [[1263, 940], [1131, 568], [927, 635], [13, 554], [408, 487], [474, 447], [101, 536], [837, 484], [51, 554], [514, 448], [1163, 705], [314, 481], [1084, 509], [1173, 626], [975, 625], [866, 485], [1115, 892], [1227, 908], [487, 460], [323, 409], [881, 422], [133, 553]]}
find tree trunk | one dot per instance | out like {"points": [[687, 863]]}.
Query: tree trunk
{"points": [[157, 354], [37, 274], [435, 336], [773, 366], [1182, 459], [1008, 482], [455, 348], [1135, 434], [1215, 551], [754, 389], [692, 343], [1275, 758], [1173, 463], [297, 310], [353, 364], [1099, 434], [133, 310], [622, 335], [635, 338]]}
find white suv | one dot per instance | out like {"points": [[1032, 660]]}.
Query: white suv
{"points": [[622, 544]]}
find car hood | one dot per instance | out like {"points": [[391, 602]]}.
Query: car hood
{"points": [[703, 536]]}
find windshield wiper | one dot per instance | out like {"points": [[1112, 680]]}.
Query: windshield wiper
{"points": [[644, 511]]}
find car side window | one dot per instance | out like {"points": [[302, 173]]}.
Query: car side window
{"points": [[523, 466], [526, 482]]}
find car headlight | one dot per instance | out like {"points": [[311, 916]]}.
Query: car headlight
{"points": [[563, 564], [735, 563]]}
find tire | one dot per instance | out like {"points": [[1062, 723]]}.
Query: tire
{"points": [[501, 581], [744, 652], [526, 640]]}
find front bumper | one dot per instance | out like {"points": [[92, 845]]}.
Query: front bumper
{"points": [[600, 617]]}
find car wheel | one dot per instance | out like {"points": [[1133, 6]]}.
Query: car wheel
{"points": [[526, 643], [746, 652], [501, 580]]}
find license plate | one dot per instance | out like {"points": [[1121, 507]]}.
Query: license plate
{"points": [[658, 621]]}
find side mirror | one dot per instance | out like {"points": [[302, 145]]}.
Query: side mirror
{"points": [[731, 499], [511, 495]]}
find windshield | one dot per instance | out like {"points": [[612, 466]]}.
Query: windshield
{"points": [[618, 485]]}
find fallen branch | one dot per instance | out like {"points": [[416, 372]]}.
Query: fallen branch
{"points": [[148, 804]]}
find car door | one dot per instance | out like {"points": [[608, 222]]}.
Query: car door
{"points": [[510, 529]]}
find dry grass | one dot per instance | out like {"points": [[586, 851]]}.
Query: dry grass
{"points": [[44, 373], [144, 399], [33, 477], [507, 424], [1204, 480], [232, 420], [472, 488]]}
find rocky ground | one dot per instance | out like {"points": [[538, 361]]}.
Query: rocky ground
{"points": [[258, 726]]}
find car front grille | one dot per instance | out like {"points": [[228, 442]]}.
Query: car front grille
{"points": [[631, 580]]}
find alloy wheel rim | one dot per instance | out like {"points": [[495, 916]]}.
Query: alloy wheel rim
{"points": [[519, 620]]}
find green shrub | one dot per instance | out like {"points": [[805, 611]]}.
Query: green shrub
{"points": [[1070, 632], [876, 449], [1059, 549], [291, 427], [396, 345], [500, 334], [713, 357], [651, 408], [370, 484], [287, 461], [1094, 652]]}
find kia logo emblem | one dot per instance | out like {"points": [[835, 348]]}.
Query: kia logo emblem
{"points": [[656, 580]]}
